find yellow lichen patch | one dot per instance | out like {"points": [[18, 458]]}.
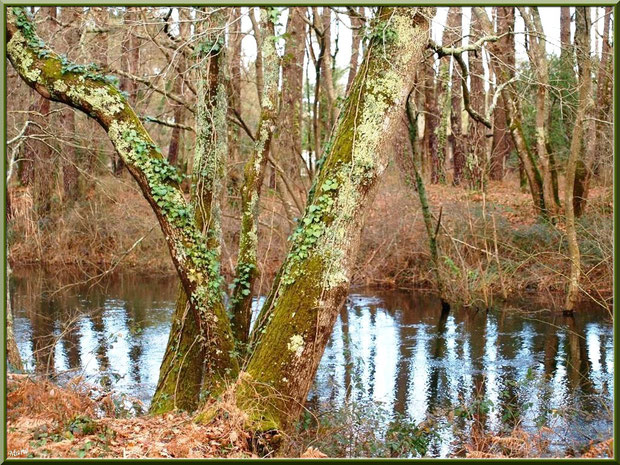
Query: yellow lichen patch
{"points": [[21, 58], [296, 345], [60, 86], [99, 98]]}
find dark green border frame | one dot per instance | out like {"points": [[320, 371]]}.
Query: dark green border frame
{"points": [[462, 3]]}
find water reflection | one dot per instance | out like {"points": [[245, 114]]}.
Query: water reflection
{"points": [[395, 349]]}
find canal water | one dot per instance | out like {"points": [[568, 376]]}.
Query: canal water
{"points": [[391, 355]]}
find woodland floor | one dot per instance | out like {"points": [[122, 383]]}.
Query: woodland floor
{"points": [[48, 421]]}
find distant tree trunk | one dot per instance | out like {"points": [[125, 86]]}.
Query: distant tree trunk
{"points": [[455, 21], [502, 142], [582, 48], [326, 68], [431, 121], [234, 96], [246, 270], [600, 148], [178, 114], [295, 323], [130, 63], [444, 92], [513, 115], [538, 58], [476, 157], [356, 40], [287, 142]]}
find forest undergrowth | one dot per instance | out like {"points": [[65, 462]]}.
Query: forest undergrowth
{"points": [[491, 245]]}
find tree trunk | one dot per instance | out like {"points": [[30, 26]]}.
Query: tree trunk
{"points": [[431, 121], [296, 321], [183, 372], [70, 160], [357, 23], [513, 115], [196, 264], [455, 21], [246, 270], [287, 141], [582, 47], [476, 158], [538, 58], [502, 142]]}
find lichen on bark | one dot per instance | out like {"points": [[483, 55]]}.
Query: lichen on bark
{"points": [[293, 329]]}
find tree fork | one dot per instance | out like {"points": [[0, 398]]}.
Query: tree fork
{"points": [[314, 278]]}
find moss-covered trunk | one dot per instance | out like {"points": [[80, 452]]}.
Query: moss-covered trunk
{"points": [[314, 279], [85, 89], [185, 368]]}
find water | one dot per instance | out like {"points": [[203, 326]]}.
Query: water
{"points": [[390, 352]]}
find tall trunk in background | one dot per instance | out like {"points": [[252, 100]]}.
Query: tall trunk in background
{"points": [[502, 141], [287, 141], [357, 23], [582, 49], [246, 270], [567, 65], [510, 98], [297, 319], [455, 22], [130, 63], [70, 16], [326, 68], [178, 114], [538, 59], [431, 121], [601, 148], [234, 95], [451, 37], [476, 155]]}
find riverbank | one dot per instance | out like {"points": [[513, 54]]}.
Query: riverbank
{"points": [[79, 421], [490, 245]]}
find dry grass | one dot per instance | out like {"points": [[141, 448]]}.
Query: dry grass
{"points": [[42, 419], [490, 245]]}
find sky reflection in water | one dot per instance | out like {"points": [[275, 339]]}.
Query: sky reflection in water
{"points": [[391, 349]]}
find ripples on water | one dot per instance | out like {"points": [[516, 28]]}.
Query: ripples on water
{"points": [[392, 349]]}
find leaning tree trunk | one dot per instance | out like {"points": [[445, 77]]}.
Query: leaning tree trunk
{"points": [[84, 89], [182, 368], [295, 323], [582, 46]]}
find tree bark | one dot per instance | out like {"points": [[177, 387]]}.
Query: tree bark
{"points": [[455, 21], [356, 41], [582, 48], [476, 158], [295, 323], [287, 149], [513, 115], [196, 264], [502, 142], [246, 270]]}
